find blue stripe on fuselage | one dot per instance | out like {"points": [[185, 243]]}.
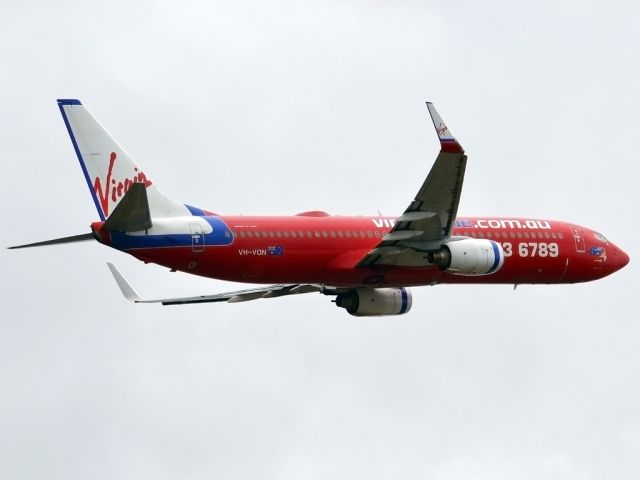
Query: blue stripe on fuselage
{"points": [[220, 236], [195, 211]]}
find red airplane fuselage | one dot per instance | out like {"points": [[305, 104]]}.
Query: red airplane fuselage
{"points": [[316, 248]]}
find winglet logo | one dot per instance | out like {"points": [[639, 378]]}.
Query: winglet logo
{"points": [[114, 189], [441, 129]]}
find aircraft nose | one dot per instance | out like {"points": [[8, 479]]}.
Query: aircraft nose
{"points": [[620, 258]]}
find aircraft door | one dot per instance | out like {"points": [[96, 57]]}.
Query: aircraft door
{"points": [[197, 238], [578, 236]]}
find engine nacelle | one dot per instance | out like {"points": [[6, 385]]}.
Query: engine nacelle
{"points": [[370, 302], [470, 256]]}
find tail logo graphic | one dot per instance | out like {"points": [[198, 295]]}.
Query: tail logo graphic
{"points": [[115, 189]]}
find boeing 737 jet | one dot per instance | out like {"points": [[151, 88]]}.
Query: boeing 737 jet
{"points": [[366, 263]]}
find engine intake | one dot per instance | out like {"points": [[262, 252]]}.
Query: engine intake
{"points": [[371, 302], [469, 256]]}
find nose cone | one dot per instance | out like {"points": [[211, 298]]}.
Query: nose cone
{"points": [[620, 259]]}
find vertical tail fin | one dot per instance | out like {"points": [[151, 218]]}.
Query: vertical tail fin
{"points": [[108, 169]]}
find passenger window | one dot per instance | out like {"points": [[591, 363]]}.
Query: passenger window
{"points": [[340, 234], [249, 234], [241, 232], [546, 235], [519, 234], [333, 234], [526, 234], [512, 235], [560, 236], [227, 234], [317, 233], [348, 234], [362, 234], [370, 234], [309, 234], [285, 234], [279, 234], [553, 235], [272, 234], [489, 235], [377, 233], [294, 234]]}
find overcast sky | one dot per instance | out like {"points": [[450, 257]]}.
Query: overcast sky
{"points": [[280, 107]]}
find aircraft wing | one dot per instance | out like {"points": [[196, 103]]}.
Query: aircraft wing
{"points": [[428, 220], [270, 291]]}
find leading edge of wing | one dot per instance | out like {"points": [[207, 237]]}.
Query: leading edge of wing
{"points": [[237, 296]]}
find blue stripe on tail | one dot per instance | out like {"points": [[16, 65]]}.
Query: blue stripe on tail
{"points": [[68, 101], [61, 104]]}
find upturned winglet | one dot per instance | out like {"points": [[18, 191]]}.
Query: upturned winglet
{"points": [[448, 142], [127, 290]]}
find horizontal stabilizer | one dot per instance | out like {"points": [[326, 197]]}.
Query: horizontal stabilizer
{"points": [[132, 213], [58, 241]]}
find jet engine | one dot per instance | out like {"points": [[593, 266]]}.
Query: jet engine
{"points": [[370, 302], [469, 256]]}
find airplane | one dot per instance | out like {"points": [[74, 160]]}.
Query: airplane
{"points": [[368, 263]]}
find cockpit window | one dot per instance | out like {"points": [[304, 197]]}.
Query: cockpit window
{"points": [[600, 237]]}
